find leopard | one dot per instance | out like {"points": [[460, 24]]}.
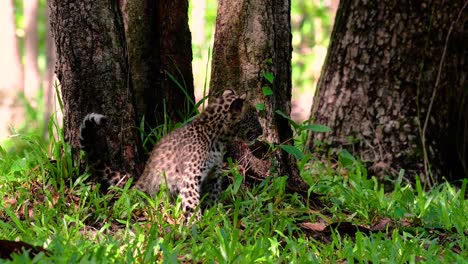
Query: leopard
{"points": [[189, 160]]}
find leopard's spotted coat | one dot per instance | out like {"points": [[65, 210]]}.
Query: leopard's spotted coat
{"points": [[189, 159]]}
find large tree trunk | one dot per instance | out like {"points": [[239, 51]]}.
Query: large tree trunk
{"points": [[395, 81], [94, 76], [11, 81], [253, 39], [159, 45]]}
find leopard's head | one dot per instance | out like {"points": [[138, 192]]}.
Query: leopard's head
{"points": [[248, 127], [245, 125], [240, 119]]}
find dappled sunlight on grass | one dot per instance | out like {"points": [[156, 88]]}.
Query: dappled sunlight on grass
{"points": [[48, 203]]}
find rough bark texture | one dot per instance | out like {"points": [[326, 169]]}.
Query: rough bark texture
{"points": [[93, 73], [395, 71], [253, 38], [158, 39], [140, 18], [176, 60]]}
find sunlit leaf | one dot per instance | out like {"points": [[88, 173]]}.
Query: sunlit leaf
{"points": [[260, 107], [269, 76], [267, 91]]}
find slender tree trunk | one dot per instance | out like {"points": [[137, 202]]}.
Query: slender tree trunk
{"points": [[159, 45], [10, 67], [31, 68], [253, 39], [176, 59], [94, 76], [394, 86], [140, 19], [49, 76]]}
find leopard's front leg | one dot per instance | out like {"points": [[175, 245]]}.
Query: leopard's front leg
{"points": [[190, 196], [212, 187]]}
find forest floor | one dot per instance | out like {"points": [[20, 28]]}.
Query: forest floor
{"points": [[51, 210]]}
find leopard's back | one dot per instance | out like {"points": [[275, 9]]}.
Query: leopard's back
{"points": [[197, 146], [167, 161]]}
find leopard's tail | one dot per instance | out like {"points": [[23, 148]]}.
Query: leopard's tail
{"points": [[88, 132], [93, 142]]}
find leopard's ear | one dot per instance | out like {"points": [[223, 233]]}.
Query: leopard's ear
{"points": [[236, 106], [228, 92]]}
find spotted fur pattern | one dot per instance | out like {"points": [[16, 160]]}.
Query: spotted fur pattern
{"points": [[189, 159]]}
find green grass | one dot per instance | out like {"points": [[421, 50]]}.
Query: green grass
{"points": [[46, 202]]}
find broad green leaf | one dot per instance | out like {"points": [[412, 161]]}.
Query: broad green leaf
{"points": [[260, 107], [267, 91], [293, 151], [317, 128], [294, 124], [269, 76], [399, 212], [345, 154], [346, 159]]}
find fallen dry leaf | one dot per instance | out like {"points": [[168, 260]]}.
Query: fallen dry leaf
{"points": [[317, 227]]}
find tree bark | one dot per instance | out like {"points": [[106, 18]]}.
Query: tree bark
{"points": [[159, 46], [11, 81], [94, 76], [395, 81], [253, 39], [176, 60]]}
